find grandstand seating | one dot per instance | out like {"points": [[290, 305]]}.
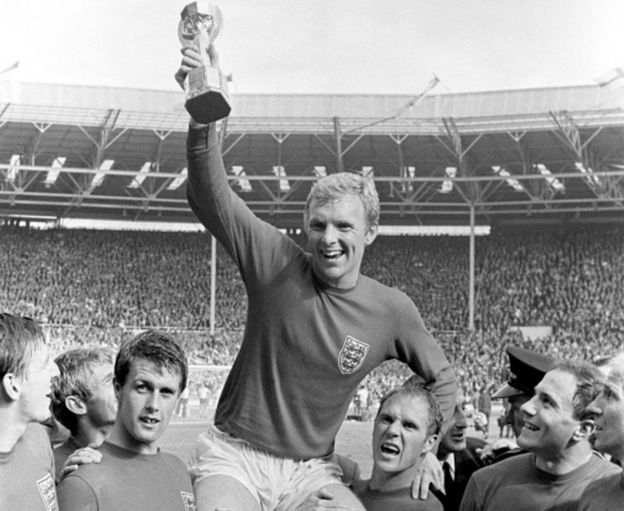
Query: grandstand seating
{"points": [[99, 286]]}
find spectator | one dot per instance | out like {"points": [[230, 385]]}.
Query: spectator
{"points": [[460, 457]]}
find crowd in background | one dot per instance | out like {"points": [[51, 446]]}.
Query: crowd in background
{"points": [[96, 287]]}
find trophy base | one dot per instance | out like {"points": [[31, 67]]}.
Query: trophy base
{"points": [[206, 96]]}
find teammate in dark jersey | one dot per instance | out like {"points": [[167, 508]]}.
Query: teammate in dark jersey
{"points": [[83, 400], [315, 327], [560, 462], [150, 374], [26, 372], [407, 425], [607, 494]]}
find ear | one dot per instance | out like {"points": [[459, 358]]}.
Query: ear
{"points": [[11, 386], [430, 443], [117, 388], [371, 234], [75, 405], [585, 429]]}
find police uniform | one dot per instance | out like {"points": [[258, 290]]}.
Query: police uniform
{"points": [[527, 368]]}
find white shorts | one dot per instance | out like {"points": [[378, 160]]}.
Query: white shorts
{"points": [[276, 483]]}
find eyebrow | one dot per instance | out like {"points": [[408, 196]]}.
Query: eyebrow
{"points": [[541, 392]]}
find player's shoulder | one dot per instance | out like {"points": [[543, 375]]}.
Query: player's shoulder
{"points": [[500, 469], [603, 487], [388, 292], [601, 465], [172, 460]]}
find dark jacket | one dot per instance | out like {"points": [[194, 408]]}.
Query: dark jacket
{"points": [[467, 461]]}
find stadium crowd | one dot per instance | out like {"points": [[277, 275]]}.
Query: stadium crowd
{"points": [[97, 287]]}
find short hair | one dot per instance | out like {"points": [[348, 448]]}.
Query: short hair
{"points": [[155, 347], [589, 382], [613, 366], [336, 186], [20, 338], [615, 361], [75, 367], [413, 388]]}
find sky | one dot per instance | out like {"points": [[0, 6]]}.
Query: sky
{"points": [[321, 46]]}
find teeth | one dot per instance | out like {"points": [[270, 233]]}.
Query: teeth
{"points": [[530, 427], [389, 449]]}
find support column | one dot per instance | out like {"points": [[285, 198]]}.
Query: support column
{"points": [[213, 283], [338, 136], [471, 271]]}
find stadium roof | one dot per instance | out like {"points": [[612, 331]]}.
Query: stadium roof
{"points": [[509, 156]]}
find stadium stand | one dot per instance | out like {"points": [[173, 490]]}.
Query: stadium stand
{"points": [[96, 287]]}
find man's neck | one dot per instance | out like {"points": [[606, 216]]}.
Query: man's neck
{"points": [[91, 436], [122, 438], [568, 461], [383, 481], [10, 433], [443, 453]]}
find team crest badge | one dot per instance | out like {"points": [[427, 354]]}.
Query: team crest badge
{"points": [[45, 485], [352, 355], [188, 499]]}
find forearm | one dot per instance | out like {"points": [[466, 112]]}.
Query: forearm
{"points": [[427, 359], [226, 215], [445, 389], [208, 191]]}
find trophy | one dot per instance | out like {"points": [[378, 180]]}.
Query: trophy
{"points": [[205, 86]]}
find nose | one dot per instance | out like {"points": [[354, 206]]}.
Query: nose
{"points": [[394, 428], [54, 370], [528, 408], [329, 234], [461, 422], [595, 407], [153, 402]]}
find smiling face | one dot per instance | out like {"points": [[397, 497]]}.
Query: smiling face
{"points": [[455, 437], [608, 409], [338, 232], [549, 421], [400, 434], [36, 386], [146, 404]]}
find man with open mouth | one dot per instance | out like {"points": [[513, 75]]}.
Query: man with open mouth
{"points": [[407, 426], [560, 462]]}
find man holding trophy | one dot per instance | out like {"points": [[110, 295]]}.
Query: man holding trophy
{"points": [[315, 325]]}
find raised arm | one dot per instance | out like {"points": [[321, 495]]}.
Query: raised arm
{"points": [[222, 211]]}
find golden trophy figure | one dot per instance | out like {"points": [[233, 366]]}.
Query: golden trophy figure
{"points": [[205, 86]]}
